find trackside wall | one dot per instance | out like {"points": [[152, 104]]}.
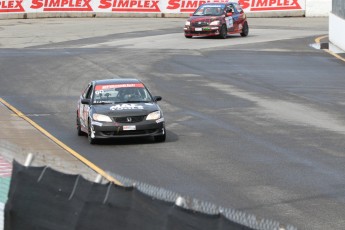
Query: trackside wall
{"points": [[337, 24], [318, 8], [153, 8]]}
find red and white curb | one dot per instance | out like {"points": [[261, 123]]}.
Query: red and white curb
{"points": [[5, 168], [5, 174]]}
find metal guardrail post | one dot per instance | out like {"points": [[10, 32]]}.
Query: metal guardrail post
{"points": [[29, 160], [98, 178]]}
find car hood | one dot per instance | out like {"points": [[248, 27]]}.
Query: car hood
{"points": [[208, 19], [125, 109]]}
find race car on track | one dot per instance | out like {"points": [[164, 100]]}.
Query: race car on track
{"points": [[114, 108], [217, 19]]}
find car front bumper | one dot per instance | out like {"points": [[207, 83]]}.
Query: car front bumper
{"points": [[103, 130], [202, 31]]}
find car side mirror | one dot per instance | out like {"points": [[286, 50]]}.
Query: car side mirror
{"points": [[229, 14], [85, 101], [157, 98]]}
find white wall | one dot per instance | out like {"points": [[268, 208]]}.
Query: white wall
{"points": [[337, 31], [318, 8], [73, 8], [156, 8]]}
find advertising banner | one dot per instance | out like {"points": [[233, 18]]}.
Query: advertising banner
{"points": [[139, 6]]}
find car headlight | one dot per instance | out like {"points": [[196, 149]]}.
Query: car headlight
{"points": [[215, 23], [187, 23], [101, 117], [154, 115]]}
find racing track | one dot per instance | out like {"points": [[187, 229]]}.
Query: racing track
{"points": [[253, 123]]}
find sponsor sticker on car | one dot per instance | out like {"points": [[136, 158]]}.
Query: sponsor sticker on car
{"points": [[115, 86], [126, 107], [129, 127]]}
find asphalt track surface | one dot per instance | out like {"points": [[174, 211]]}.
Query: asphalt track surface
{"points": [[256, 124]]}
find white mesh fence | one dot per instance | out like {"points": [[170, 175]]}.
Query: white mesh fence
{"points": [[189, 203]]}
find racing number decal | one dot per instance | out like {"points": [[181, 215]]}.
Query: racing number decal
{"points": [[229, 22], [97, 92]]}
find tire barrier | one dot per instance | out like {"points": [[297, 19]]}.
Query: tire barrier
{"points": [[42, 198]]}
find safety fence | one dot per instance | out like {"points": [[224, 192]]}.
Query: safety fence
{"points": [[42, 198]]}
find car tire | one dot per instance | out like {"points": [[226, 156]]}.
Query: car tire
{"points": [[160, 138], [245, 30], [186, 36], [79, 132], [92, 141], [223, 32]]}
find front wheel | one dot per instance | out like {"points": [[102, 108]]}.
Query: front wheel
{"points": [[223, 32], [187, 36], [245, 30]]}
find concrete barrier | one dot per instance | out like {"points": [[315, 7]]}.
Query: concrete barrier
{"points": [[11, 9], [318, 8], [337, 24], [337, 31], [144, 8]]}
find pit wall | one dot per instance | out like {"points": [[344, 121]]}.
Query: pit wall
{"points": [[10, 9]]}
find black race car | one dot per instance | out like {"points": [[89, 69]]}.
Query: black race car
{"points": [[114, 108]]}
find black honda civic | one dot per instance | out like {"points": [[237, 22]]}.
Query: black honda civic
{"points": [[114, 108]]}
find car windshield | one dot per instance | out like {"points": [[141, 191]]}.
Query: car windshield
{"points": [[209, 10], [121, 93]]}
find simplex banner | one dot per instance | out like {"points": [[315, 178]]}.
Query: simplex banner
{"points": [[139, 6]]}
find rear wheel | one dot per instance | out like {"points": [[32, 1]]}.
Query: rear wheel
{"points": [[187, 36], [223, 32], [245, 30], [90, 137]]}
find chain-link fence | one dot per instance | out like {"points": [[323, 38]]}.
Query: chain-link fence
{"points": [[207, 208]]}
